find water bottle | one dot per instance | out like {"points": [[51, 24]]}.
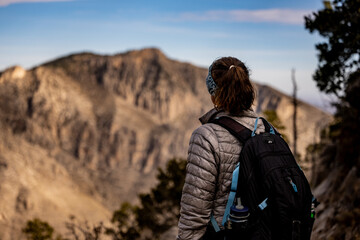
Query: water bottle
{"points": [[238, 217]]}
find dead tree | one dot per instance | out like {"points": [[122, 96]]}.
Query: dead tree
{"points": [[295, 103]]}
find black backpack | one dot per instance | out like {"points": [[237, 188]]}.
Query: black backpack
{"points": [[270, 184]]}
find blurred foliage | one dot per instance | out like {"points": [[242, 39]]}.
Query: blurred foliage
{"points": [[84, 231], [273, 118], [339, 71], [346, 129], [126, 224], [338, 57], [337, 158], [158, 211], [38, 230]]}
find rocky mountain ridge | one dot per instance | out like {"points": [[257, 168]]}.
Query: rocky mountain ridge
{"points": [[85, 132]]}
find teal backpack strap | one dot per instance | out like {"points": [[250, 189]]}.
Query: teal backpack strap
{"points": [[255, 127], [214, 223], [263, 204], [232, 194], [268, 127]]}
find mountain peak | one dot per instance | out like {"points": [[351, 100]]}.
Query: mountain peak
{"points": [[14, 72], [146, 53]]}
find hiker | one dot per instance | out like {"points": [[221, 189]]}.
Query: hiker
{"points": [[213, 152], [242, 180]]}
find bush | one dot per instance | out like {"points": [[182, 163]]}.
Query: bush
{"points": [[38, 230]]}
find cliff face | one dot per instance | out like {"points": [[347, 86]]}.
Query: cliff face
{"points": [[83, 133]]}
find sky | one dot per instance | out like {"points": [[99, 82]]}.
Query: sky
{"points": [[269, 36]]}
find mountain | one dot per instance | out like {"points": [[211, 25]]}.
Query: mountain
{"points": [[83, 133]]}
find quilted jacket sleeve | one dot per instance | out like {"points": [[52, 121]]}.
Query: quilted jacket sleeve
{"points": [[200, 184]]}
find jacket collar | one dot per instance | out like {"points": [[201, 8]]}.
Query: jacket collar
{"points": [[213, 113]]}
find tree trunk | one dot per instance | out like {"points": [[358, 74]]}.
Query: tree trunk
{"points": [[295, 112]]}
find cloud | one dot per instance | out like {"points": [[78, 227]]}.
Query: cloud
{"points": [[4, 3], [285, 16]]}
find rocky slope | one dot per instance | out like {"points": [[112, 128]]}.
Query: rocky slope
{"points": [[336, 170], [83, 133]]}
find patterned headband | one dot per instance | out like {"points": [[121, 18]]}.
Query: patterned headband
{"points": [[210, 83]]}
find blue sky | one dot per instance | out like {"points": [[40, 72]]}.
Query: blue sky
{"points": [[267, 35]]}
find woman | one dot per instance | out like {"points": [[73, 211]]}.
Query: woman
{"points": [[214, 152]]}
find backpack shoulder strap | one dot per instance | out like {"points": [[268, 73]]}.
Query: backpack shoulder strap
{"points": [[268, 127], [235, 128]]}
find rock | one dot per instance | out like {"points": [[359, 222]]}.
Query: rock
{"points": [[22, 201]]}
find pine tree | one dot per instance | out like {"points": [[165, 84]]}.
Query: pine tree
{"points": [[339, 55]]}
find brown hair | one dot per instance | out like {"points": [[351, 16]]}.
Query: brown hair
{"points": [[234, 93]]}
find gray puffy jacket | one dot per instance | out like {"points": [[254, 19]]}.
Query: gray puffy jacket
{"points": [[212, 156]]}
